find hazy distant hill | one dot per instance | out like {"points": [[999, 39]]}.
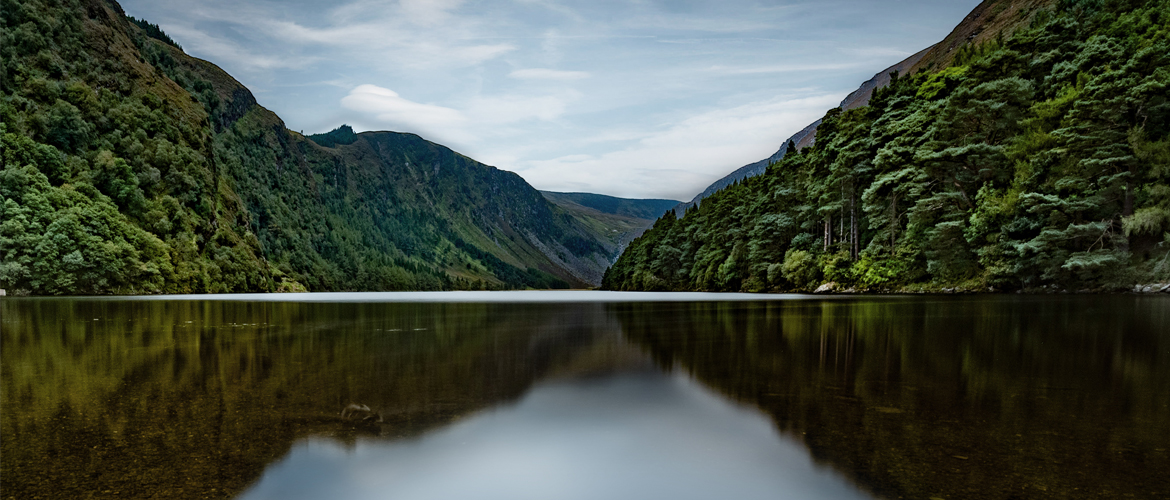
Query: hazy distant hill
{"points": [[641, 209], [131, 167], [614, 220]]}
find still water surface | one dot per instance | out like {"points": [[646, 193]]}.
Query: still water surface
{"points": [[585, 396]]}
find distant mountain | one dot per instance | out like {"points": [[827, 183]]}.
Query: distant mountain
{"points": [[648, 209], [131, 167], [616, 221]]}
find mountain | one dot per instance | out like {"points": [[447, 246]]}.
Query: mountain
{"points": [[1030, 150], [984, 23], [636, 208], [992, 20], [616, 221], [131, 167]]}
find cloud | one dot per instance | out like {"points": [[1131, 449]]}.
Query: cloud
{"points": [[390, 40], [876, 52], [224, 51], [680, 160], [785, 68], [675, 161], [512, 109], [411, 33], [547, 74], [479, 118], [429, 12], [391, 109]]}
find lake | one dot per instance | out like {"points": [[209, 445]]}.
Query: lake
{"points": [[585, 395]]}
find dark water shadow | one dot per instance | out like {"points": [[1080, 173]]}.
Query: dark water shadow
{"points": [[976, 397]]}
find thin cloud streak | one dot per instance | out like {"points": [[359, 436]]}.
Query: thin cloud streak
{"points": [[222, 50], [784, 68], [547, 74]]}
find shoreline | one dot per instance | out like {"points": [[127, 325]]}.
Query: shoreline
{"points": [[595, 295]]}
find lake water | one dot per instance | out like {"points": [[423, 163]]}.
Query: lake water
{"points": [[585, 395]]}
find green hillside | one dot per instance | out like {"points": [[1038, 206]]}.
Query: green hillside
{"points": [[130, 167], [613, 221], [646, 209], [1037, 157]]}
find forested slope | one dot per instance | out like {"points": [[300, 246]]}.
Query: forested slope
{"points": [[130, 167], [1037, 158]]}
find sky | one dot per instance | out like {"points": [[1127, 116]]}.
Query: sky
{"points": [[637, 98]]}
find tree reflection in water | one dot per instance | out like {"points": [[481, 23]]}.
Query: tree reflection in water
{"points": [[184, 399], [970, 397]]}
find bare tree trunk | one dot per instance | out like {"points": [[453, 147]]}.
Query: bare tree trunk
{"points": [[828, 232], [855, 244], [893, 223], [1127, 205], [841, 223]]}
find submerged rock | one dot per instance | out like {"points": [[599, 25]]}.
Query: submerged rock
{"points": [[360, 414]]}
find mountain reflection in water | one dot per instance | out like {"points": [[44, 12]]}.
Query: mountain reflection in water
{"points": [[958, 397]]}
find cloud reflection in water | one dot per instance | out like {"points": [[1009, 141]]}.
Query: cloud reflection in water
{"points": [[633, 435]]}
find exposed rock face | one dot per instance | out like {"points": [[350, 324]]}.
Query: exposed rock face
{"points": [[987, 21]]}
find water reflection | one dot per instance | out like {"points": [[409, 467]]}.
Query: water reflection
{"points": [[974, 397], [623, 436], [193, 399]]}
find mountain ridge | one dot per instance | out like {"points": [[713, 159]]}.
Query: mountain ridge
{"points": [[151, 171], [641, 208]]}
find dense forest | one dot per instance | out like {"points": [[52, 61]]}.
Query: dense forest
{"points": [[131, 167], [1039, 159]]}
